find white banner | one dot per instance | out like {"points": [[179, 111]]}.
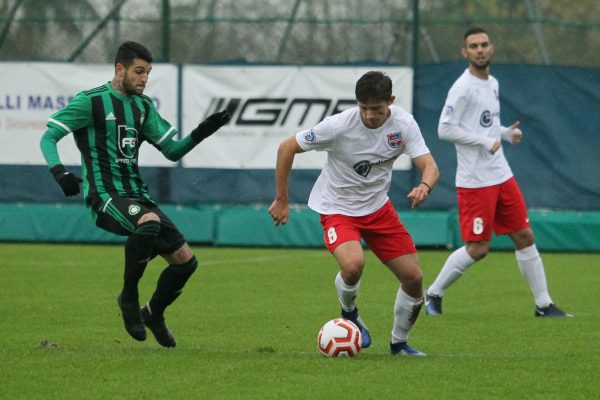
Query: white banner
{"points": [[270, 104], [31, 92]]}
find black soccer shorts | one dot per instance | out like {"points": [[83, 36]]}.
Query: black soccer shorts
{"points": [[120, 217]]}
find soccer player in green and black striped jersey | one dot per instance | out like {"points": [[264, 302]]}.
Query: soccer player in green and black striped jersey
{"points": [[109, 123]]}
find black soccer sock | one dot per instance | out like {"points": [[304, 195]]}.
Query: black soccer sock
{"points": [[170, 284], [137, 254]]}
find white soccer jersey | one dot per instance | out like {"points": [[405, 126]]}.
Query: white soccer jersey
{"points": [[471, 120], [356, 178]]}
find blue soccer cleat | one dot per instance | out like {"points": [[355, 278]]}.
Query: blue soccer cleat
{"points": [[433, 304], [354, 317], [551, 311], [403, 349]]}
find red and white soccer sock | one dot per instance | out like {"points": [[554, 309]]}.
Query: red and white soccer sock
{"points": [[532, 268], [406, 312], [346, 293], [455, 266]]}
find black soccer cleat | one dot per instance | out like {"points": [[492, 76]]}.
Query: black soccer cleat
{"points": [[132, 319], [433, 304], [551, 311], [156, 324]]}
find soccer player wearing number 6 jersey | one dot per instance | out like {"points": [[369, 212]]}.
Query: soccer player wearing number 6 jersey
{"points": [[351, 196], [489, 198], [109, 124]]}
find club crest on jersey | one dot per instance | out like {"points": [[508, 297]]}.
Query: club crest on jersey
{"points": [[127, 141], [310, 136], [133, 209], [486, 119], [394, 140]]}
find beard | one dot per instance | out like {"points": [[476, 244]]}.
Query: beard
{"points": [[481, 67], [129, 88]]}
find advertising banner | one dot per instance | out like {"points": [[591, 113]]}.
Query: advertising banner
{"points": [[269, 104]]}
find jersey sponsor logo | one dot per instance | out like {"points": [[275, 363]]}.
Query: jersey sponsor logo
{"points": [[111, 117], [449, 110], [486, 119], [394, 140], [133, 209], [310, 136], [128, 141], [364, 167]]}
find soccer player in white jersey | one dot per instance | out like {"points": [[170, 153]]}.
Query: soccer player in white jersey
{"points": [[350, 194], [489, 198]]}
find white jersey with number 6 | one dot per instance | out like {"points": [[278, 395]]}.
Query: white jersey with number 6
{"points": [[356, 178]]}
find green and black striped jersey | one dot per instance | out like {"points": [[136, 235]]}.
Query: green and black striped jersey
{"points": [[109, 128]]}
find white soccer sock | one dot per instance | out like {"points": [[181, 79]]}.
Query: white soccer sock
{"points": [[532, 268], [455, 266], [346, 293], [406, 311]]}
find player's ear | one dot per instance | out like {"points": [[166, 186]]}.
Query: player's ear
{"points": [[391, 100], [119, 69], [463, 51]]}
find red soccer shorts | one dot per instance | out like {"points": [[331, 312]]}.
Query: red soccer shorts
{"points": [[500, 208], [382, 231]]}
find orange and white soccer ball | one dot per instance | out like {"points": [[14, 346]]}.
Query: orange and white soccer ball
{"points": [[339, 338]]}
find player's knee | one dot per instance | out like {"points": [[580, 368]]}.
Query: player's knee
{"points": [[478, 251], [148, 217], [523, 239], [351, 273]]}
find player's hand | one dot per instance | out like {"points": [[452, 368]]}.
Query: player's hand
{"points": [[495, 147], [418, 195], [280, 211], [210, 125], [517, 134], [69, 182]]}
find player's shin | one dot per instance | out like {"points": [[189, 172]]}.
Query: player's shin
{"points": [[532, 269], [406, 312], [137, 254], [170, 285], [346, 293]]}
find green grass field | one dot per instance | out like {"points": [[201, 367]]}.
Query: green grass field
{"points": [[247, 323]]}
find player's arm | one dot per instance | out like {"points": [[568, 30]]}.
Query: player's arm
{"points": [[429, 178], [60, 124], [173, 149], [449, 128], [68, 181], [280, 209]]}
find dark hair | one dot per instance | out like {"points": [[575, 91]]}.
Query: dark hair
{"points": [[129, 51], [473, 31], [374, 85]]}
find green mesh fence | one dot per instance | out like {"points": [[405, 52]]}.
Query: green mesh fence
{"points": [[406, 32]]}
